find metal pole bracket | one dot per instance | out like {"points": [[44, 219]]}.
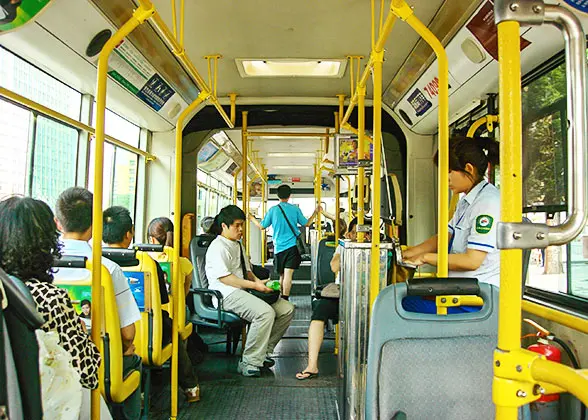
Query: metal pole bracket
{"points": [[528, 12], [522, 235]]}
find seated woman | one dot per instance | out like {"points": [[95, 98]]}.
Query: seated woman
{"points": [[161, 232], [324, 310], [29, 242]]}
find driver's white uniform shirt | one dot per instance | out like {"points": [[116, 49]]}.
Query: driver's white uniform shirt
{"points": [[474, 226]]}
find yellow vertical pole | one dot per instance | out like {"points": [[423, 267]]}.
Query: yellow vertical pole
{"points": [[376, 165], [337, 218], [401, 9], [341, 107], [233, 97], [349, 203], [317, 183], [361, 155], [247, 223], [263, 210], [509, 318], [244, 168], [236, 186], [177, 283], [139, 16], [337, 125]]}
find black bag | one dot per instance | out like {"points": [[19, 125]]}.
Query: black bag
{"points": [[300, 245], [269, 298]]}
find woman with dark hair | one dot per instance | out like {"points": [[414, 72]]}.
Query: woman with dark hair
{"points": [[472, 245], [161, 232], [29, 242]]}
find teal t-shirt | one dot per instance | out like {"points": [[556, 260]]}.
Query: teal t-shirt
{"points": [[283, 236]]}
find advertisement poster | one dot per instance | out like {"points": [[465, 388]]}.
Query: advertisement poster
{"points": [[347, 153], [256, 189], [15, 13], [128, 67], [136, 282], [482, 26]]}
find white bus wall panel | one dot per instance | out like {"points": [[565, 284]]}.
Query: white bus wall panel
{"points": [[56, 42], [421, 195], [470, 83], [160, 177]]}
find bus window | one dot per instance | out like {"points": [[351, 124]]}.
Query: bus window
{"points": [[55, 159], [557, 269], [14, 138]]}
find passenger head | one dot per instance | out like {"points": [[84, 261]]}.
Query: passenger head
{"points": [[161, 231], [352, 230], [118, 227], [86, 306], [206, 224], [74, 213], [230, 222], [468, 161], [29, 240], [284, 192]]}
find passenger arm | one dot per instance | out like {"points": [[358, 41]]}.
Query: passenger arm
{"points": [[328, 215], [336, 263], [128, 335], [314, 214], [470, 261], [233, 280], [430, 245], [255, 222]]}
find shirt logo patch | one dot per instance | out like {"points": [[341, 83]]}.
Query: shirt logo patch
{"points": [[484, 223]]}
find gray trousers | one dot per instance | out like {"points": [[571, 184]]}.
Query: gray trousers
{"points": [[268, 323]]}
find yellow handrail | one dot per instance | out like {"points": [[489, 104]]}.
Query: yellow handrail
{"points": [[244, 168], [236, 181], [406, 13], [562, 318], [360, 155], [139, 16], [179, 51], [15, 97], [489, 120], [176, 284]]}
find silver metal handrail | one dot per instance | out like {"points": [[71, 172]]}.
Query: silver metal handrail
{"points": [[534, 235]]}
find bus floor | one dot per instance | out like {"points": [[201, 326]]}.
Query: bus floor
{"points": [[277, 394]]}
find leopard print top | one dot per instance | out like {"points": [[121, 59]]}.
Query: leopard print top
{"points": [[55, 306]]}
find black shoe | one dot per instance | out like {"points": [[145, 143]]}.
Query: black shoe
{"points": [[268, 362]]}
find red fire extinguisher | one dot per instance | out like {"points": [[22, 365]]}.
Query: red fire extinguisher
{"points": [[546, 407]]}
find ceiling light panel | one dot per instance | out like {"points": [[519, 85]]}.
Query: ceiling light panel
{"points": [[289, 67], [292, 167], [293, 154]]}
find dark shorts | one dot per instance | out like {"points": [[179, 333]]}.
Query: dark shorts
{"points": [[289, 258], [325, 309]]}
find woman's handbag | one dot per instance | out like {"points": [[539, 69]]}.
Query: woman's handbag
{"points": [[302, 250], [271, 297], [331, 291]]}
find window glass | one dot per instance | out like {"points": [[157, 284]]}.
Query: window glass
{"points": [[201, 176], [55, 159], [544, 119], [119, 128], [27, 80], [579, 265], [548, 267], [213, 203], [124, 179], [14, 142]]}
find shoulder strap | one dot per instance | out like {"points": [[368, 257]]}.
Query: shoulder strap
{"points": [[287, 221], [243, 265]]}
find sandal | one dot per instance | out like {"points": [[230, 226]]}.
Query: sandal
{"points": [[310, 375]]}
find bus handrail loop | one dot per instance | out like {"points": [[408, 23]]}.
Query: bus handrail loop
{"points": [[529, 235]]}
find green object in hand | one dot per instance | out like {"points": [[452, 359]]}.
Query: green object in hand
{"points": [[273, 284]]}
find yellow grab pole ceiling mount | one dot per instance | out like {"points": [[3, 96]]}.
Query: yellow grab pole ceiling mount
{"points": [[139, 16]]}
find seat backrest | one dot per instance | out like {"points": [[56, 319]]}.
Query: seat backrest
{"points": [[430, 366], [114, 386], [144, 283], [198, 247], [326, 250]]}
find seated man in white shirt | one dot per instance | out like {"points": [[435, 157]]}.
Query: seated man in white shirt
{"points": [[74, 220], [225, 274]]}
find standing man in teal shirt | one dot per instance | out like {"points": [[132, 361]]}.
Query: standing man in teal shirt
{"points": [[287, 258]]}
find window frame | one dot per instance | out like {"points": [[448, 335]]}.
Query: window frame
{"points": [[565, 302]]}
